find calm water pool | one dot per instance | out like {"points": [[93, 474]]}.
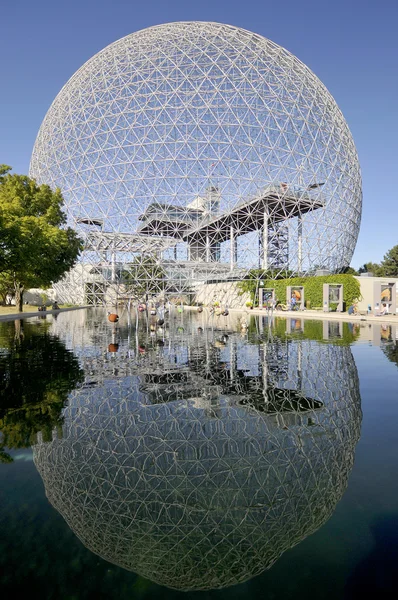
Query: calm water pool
{"points": [[198, 460]]}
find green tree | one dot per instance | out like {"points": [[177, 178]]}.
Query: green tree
{"points": [[349, 271], [389, 264], [6, 287], [144, 276], [370, 267], [36, 248], [4, 169]]}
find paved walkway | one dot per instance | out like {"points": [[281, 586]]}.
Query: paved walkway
{"points": [[38, 313]]}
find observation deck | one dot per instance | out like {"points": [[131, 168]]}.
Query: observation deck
{"points": [[204, 231]]}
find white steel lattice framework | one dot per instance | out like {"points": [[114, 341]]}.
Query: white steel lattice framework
{"points": [[196, 476], [196, 151]]}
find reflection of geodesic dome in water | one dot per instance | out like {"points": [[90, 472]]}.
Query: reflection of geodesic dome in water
{"points": [[198, 498], [183, 131]]}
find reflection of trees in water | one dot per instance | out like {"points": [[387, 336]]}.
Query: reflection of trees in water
{"points": [[37, 373], [182, 472], [390, 347], [340, 333]]}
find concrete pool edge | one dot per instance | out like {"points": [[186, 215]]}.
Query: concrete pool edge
{"points": [[29, 315]]}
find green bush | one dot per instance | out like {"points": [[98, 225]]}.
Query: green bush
{"points": [[313, 287]]}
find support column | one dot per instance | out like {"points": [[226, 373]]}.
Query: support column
{"points": [[113, 266], [207, 248], [300, 245], [265, 242], [260, 297], [232, 249], [161, 251], [175, 252]]}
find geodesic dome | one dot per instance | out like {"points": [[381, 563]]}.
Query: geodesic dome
{"points": [[197, 463], [207, 147]]}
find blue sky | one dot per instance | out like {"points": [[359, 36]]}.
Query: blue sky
{"points": [[351, 45]]}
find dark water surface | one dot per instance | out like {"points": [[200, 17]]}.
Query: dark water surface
{"points": [[198, 460]]}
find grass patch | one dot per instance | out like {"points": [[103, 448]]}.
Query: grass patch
{"points": [[10, 310], [27, 308]]}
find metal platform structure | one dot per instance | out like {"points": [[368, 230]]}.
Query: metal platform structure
{"points": [[262, 213], [205, 149], [202, 232]]}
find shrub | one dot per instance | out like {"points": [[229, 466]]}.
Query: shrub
{"points": [[313, 287]]}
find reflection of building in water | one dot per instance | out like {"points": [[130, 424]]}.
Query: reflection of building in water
{"points": [[376, 333], [210, 459], [332, 330]]}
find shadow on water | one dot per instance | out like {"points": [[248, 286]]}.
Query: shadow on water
{"points": [[376, 576]]}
